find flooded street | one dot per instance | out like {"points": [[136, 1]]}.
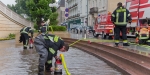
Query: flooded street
{"points": [[16, 61]]}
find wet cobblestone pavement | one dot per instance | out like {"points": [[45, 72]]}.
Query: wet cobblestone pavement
{"points": [[16, 61]]}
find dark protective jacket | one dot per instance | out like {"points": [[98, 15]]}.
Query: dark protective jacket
{"points": [[27, 30], [48, 42], [44, 28], [121, 16], [146, 21]]}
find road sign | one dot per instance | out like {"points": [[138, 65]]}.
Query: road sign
{"points": [[66, 15], [67, 10]]}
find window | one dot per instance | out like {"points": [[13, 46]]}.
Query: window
{"points": [[93, 4]]}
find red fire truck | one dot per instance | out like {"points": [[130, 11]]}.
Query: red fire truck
{"points": [[139, 10], [103, 26]]}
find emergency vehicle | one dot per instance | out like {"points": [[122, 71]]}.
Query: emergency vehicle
{"points": [[139, 10], [103, 26]]}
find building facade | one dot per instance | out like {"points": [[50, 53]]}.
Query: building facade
{"points": [[77, 12], [61, 12], [100, 7]]}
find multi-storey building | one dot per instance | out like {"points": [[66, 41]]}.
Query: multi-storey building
{"points": [[77, 12], [98, 7], [61, 11]]}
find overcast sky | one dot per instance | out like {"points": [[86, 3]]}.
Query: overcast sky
{"points": [[10, 1]]}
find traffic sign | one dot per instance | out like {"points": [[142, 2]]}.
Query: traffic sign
{"points": [[66, 15], [67, 10]]}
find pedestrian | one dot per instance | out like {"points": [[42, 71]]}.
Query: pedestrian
{"points": [[43, 27], [47, 46], [24, 37], [120, 17]]}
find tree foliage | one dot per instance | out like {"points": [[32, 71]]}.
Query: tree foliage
{"points": [[39, 9], [53, 18], [36, 10]]}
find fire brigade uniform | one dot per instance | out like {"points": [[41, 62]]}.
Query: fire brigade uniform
{"points": [[143, 36], [47, 46], [44, 28], [24, 36], [120, 17]]}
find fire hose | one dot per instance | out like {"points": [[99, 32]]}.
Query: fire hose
{"points": [[64, 64]]}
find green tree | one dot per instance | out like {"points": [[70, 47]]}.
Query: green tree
{"points": [[53, 18], [35, 10], [39, 9], [20, 8]]}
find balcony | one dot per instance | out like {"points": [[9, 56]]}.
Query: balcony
{"points": [[93, 10], [74, 5]]}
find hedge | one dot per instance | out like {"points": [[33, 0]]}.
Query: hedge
{"points": [[58, 28], [55, 28]]}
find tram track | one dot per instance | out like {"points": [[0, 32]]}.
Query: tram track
{"points": [[125, 61]]}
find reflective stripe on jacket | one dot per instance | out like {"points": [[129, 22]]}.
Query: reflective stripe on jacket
{"points": [[144, 33], [44, 29], [26, 30], [121, 16]]}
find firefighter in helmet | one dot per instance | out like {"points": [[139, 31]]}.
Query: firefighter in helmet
{"points": [[120, 17], [24, 37], [142, 34], [43, 27], [47, 46]]}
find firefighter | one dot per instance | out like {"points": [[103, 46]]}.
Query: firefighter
{"points": [[146, 22], [47, 46], [143, 36], [43, 27], [120, 17], [24, 37]]}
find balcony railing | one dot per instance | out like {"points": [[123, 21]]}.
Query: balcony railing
{"points": [[93, 10], [74, 5]]}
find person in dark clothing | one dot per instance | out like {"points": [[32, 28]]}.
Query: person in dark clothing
{"points": [[120, 17], [47, 46], [24, 37], [43, 27], [146, 22]]}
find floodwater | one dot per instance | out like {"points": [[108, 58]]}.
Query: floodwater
{"points": [[16, 61]]}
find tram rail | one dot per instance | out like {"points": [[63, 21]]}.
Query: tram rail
{"points": [[122, 59]]}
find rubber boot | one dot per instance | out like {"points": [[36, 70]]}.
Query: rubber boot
{"points": [[24, 47]]}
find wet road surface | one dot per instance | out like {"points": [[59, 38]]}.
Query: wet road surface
{"points": [[16, 61]]}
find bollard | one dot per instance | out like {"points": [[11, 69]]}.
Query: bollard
{"points": [[58, 67]]}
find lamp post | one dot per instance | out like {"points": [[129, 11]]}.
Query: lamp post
{"points": [[85, 35]]}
